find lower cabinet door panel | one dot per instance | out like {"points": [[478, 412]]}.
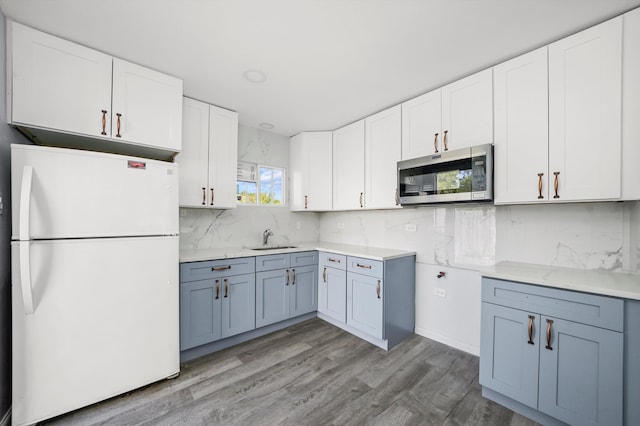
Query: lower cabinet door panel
{"points": [[200, 313], [581, 373], [272, 296], [303, 290], [508, 362], [238, 304], [333, 293], [365, 304]]}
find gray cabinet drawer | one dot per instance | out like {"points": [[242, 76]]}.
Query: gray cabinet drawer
{"points": [[304, 258], [272, 261], [332, 260], [599, 311], [194, 271], [359, 265]]}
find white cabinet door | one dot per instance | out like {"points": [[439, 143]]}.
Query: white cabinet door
{"points": [[631, 106], [467, 112], [223, 157], [382, 152], [310, 165], [585, 73], [57, 84], [147, 105], [193, 160], [521, 145], [421, 125], [348, 167]]}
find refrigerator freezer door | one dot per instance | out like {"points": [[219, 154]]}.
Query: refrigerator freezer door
{"points": [[104, 321], [83, 194]]}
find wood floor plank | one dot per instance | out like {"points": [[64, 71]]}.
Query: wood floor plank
{"points": [[311, 373]]}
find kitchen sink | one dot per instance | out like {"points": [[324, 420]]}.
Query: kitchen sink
{"points": [[271, 247]]}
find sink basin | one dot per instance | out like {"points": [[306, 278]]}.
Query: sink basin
{"points": [[271, 247]]}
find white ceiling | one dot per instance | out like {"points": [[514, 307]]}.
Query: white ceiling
{"points": [[327, 62]]}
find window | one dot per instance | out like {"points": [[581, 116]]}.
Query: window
{"points": [[260, 185]]}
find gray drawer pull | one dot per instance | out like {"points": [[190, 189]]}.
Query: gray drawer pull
{"points": [[333, 260], [363, 266], [217, 289], [221, 268], [549, 323], [530, 329]]}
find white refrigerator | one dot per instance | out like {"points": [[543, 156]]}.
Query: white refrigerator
{"points": [[94, 277]]}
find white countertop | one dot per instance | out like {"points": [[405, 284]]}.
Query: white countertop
{"points": [[374, 253], [617, 284]]}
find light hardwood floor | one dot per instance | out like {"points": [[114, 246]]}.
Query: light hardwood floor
{"points": [[311, 374]]}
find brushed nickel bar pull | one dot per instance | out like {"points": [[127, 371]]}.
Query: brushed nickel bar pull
{"points": [[540, 186], [444, 141], [293, 280], [378, 289], [212, 197], [361, 194], [397, 198], [324, 274], [118, 135], [363, 266], [104, 122], [226, 287], [287, 282], [549, 322], [305, 202], [221, 268], [334, 260], [204, 196], [531, 318], [217, 289], [555, 184], [435, 143]]}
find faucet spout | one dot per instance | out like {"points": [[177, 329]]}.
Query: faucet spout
{"points": [[265, 236]]}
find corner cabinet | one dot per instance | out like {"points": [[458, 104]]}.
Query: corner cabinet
{"points": [[348, 167], [372, 299], [208, 161], [310, 173], [454, 116], [217, 300], [554, 351], [62, 87]]}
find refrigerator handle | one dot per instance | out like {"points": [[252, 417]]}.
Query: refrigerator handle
{"points": [[25, 202], [25, 276]]}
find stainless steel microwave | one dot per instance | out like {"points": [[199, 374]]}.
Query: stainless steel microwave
{"points": [[462, 175]]}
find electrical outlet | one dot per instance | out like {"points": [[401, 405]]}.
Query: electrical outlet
{"points": [[440, 292], [410, 227], [340, 225]]}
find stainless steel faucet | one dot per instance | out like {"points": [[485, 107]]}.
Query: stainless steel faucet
{"points": [[265, 236]]}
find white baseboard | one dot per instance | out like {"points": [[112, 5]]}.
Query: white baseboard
{"points": [[473, 350], [6, 419]]}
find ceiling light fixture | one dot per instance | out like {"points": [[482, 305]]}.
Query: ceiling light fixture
{"points": [[266, 126], [255, 76]]}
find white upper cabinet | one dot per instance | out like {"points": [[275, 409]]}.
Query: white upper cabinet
{"points": [[421, 125], [148, 106], [382, 152], [585, 86], [458, 115], [467, 111], [631, 106], [310, 171], [56, 85], [208, 161], [521, 145], [348, 167]]}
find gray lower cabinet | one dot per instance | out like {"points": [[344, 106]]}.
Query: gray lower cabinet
{"points": [[332, 287], [365, 303], [217, 300], [285, 293], [558, 352]]}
